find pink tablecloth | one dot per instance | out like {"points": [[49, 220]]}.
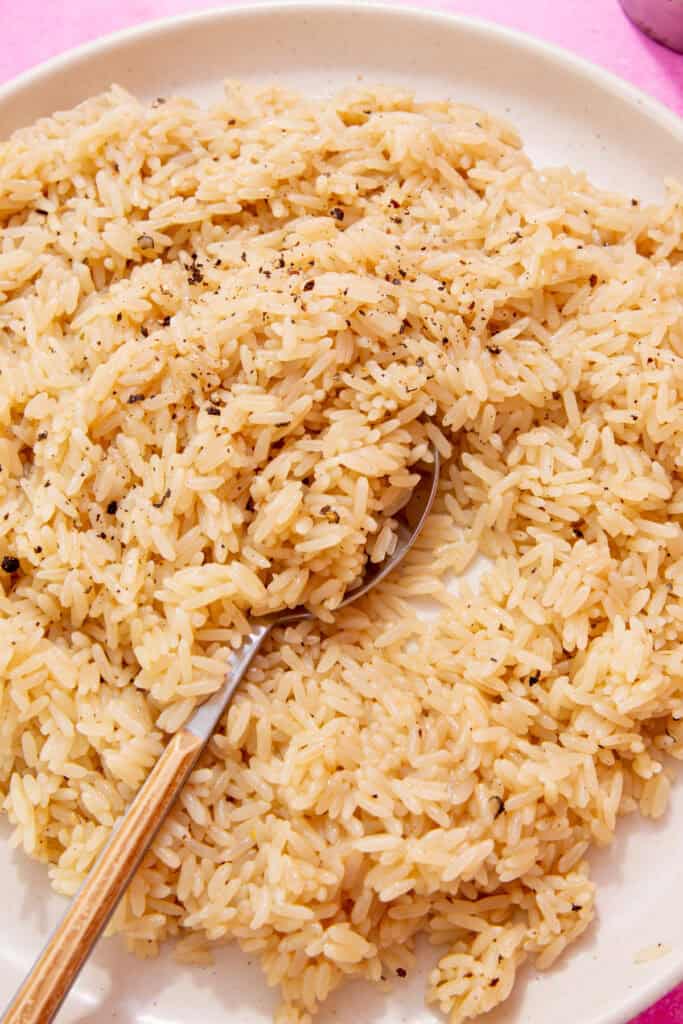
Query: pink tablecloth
{"points": [[34, 30]]}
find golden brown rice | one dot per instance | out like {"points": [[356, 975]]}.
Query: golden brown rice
{"points": [[226, 336]]}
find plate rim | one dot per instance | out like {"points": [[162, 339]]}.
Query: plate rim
{"points": [[658, 111], [628, 1005]]}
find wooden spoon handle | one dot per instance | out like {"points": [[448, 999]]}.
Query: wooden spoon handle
{"points": [[52, 976]]}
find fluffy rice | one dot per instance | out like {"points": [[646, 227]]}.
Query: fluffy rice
{"points": [[226, 336]]}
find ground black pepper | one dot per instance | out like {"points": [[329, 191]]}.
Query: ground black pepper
{"points": [[10, 564], [166, 496], [112, 508]]}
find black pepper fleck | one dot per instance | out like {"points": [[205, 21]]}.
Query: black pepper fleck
{"points": [[10, 564], [166, 496], [112, 508]]}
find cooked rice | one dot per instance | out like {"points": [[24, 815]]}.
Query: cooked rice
{"points": [[226, 337]]}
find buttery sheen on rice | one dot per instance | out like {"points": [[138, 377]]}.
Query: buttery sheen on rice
{"points": [[226, 337]]}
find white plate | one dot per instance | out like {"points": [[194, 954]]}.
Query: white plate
{"points": [[568, 111]]}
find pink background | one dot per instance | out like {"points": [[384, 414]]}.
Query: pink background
{"points": [[33, 30]]}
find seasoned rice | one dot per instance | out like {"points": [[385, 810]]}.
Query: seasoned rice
{"points": [[226, 338]]}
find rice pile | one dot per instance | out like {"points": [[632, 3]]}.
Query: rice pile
{"points": [[226, 337]]}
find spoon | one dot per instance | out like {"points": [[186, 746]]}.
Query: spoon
{"points": [[54, 972]]}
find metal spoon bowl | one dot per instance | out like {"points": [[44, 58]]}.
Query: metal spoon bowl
{"points": [[57, 967]]}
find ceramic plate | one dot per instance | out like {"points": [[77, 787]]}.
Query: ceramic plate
{"points": [[568, 112]]}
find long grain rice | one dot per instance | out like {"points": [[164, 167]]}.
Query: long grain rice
{"points": [[226, 336]]}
